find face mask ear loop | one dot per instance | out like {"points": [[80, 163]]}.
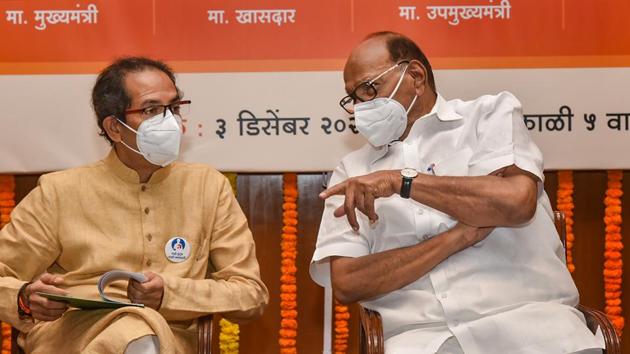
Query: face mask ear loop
{"points": [[412, 103], [402, 76], [128, 127], [122, 142], [130, 148]]}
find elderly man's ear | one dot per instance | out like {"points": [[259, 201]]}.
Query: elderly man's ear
{"points": [[112, 128], [419, 74]]}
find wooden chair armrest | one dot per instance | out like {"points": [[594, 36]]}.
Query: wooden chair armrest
{"points": [[15, 348], [371, 337], [597, 319], [204, 334]]}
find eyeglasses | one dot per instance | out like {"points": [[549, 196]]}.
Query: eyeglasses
{"points": [[179, 108], [366, 91]]}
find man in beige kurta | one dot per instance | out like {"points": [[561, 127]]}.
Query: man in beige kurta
{"points": [[80, 223]]}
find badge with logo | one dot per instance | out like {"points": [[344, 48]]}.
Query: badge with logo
{"points": [[177, 249]]}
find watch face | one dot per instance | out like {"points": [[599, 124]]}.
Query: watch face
{"points": [[409, 172]]}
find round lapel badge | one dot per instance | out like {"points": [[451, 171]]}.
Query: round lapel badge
{"points": [[177, 249]]}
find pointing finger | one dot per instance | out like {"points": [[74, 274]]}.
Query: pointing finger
{"points": [[338, 189]]}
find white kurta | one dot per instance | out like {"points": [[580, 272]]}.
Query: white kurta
{"points": [[510, 293]]}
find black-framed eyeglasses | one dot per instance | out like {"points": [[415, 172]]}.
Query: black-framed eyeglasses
{"points": [[366, 91], [179, 108]]}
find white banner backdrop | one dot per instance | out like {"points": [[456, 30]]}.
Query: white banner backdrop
{"points": [[290, 121]]}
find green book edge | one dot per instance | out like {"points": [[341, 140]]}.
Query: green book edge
{"points": [[87, 304]]}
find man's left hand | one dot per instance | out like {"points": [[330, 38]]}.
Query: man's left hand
{"points": [[149, 293], [360, 193]]}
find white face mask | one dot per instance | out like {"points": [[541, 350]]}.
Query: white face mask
{"points": [[158, 138], [383, 119]]}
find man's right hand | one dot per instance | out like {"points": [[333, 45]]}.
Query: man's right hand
{"points": [[471, 234], [42, 308]]}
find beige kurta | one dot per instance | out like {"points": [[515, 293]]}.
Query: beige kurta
{"points": [[85, 221]]}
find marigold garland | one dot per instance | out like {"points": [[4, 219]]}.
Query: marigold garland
{"points": [[229, 333], [7, 203], [288, 281], [7, 198], [613, 266], [342, 331], [565, 205], [229, 336], [6, 338]]}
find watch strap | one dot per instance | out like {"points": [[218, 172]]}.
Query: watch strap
{"points": [[405, 188]]}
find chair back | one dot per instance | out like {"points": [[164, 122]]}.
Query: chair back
{"points": [[371, 339], [15, 348]]}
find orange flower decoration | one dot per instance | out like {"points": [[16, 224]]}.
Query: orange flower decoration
{"points": [[341, 328], [7, 202], [613, 265], [288, 282], [565, 205]]}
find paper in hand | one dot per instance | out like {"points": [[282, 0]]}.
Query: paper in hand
{"points": [[106, 302]]}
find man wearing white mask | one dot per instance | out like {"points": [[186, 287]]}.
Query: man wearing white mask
{"points": [[454, 243], [137, 210]]}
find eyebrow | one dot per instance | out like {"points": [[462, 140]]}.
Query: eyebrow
{"points": [[149, 103], [156, 102]]}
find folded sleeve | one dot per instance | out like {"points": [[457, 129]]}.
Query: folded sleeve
{"points": [[336, 237], [235, 287], [503, 140]]}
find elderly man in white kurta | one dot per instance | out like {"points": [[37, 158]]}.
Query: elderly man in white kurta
{"points": [[454, 243]]}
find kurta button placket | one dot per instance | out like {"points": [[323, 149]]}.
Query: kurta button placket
{"points": [[147, 227]]}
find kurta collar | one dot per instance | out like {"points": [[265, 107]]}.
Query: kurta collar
{"points": [[442, 109], [445, 111], [130, 175]]}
